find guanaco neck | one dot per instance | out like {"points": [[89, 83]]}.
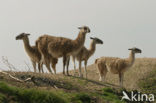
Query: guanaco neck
{"points": [[27, 46], [131, 58], [79, 41], [92, 48]]}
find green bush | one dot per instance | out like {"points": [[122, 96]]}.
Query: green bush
{"points": [[111, 95], [148, 83], [2, 98], [29, 95], [81, 98]]}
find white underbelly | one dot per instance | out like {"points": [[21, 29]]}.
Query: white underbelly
{"points": [[112, 70], [108, 68]]}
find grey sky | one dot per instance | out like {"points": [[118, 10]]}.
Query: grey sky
{"points": [[121, 24]]}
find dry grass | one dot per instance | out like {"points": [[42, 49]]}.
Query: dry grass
{"points": [[72, 84], [139, 70]]}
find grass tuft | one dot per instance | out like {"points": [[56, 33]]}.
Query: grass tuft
{"points": [[111, 95], [81, 98], [148, 84], [3, 98], [28, 95]]}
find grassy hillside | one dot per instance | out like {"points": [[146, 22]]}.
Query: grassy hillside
{"points": [[46, 88], [139, 70]]}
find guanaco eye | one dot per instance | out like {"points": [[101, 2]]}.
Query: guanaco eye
{"points": [[85, 28]]}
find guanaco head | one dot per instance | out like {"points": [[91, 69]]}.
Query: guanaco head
{"points": [[84, 29], [97, 40], [135, 50], [22, 36]]}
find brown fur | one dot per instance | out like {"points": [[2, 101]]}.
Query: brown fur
{"points": [[115, 65], [32, 51], [85, 53], [61, 47], [41, 44]]}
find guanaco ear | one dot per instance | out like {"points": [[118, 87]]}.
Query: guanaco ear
{"points": [[28, 34], [79, 27], [91, 38], [22, 33]]}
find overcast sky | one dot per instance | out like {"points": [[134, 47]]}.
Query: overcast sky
{"points": [[121, 24]]}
